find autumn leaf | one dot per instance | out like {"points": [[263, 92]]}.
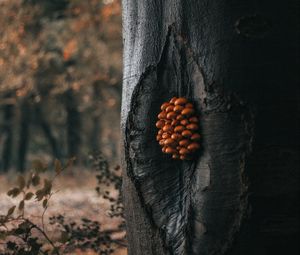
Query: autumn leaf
{"points": [[11, 210], [14, 192], [70, 49], [21, 205], [28, 196]]}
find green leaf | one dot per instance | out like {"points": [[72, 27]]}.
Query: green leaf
{"points": [[11, 210], [57, 166], [28, 196]]}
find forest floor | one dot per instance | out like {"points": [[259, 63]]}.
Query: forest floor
{"points": [[76, 198]]}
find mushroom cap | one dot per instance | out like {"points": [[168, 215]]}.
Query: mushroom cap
{"points": [[178, 126]]}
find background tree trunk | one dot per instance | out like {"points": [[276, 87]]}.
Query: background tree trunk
{"points": [[237, 62], [46, 128], [8, 117], [73, 123], [24, 132]]}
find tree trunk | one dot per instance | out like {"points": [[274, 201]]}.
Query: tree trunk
{"points": [[236, 61], [96, 117], [45, 126], [73, 125], [8, 112], [24, 133]]}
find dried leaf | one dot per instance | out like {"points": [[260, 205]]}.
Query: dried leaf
{"points": [[39, 194], [14, 192], [45, 202], [11, 210], [35, 179], [47, 186], [28, 196], [21, 205]]}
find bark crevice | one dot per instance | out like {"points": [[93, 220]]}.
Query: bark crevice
{"points": [[165, 186]]}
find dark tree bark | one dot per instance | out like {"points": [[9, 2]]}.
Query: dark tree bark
{"points": [[237, 62], [8, 117], [73, 124], [96, 129], [45, 126], [24, 132]]}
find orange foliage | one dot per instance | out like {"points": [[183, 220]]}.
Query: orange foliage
{"points": [[70, 49], [112, 9]]}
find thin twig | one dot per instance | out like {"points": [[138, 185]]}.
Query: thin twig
{"points": [[45, 235]]}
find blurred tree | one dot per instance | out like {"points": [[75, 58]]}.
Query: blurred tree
{"points": [[52, 53], [7, 132]]}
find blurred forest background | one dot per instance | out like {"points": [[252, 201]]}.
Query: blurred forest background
{"points": [[60, 80], [60, 91]]}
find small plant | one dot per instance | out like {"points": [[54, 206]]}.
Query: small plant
{"points": [[108, 179], [16, 229], [87, 235], [20, 235]]}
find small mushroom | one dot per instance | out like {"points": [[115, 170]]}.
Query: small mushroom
{"points": [[184, 142], [183, 151], [170, 150], [165, 135], [184, 122], [195, 137], [176, 136], [193, 146], [164, 106], [169, 141], [171, 115], [178, 128], [193, 120], [173, 99], [178, 108], [180, 101], [180, 117], [186, 133], [187, 111], [162, 115], [192, 126], [167, 128], [160, 124], [170, 108]]}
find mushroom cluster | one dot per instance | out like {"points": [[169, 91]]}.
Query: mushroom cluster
{"points": [[178, 128]]}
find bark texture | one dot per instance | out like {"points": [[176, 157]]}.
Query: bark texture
{"points": [[239, 194]]}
